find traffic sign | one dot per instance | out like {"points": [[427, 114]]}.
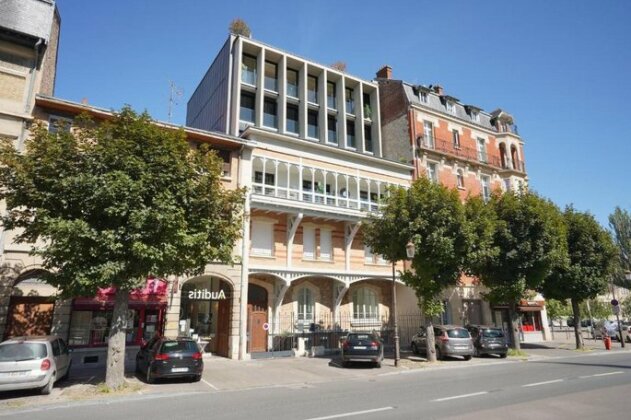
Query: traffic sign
{"points": [[265, 326], [614, 302], [616, 310]]}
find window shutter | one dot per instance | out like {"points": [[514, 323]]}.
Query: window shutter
{"points": [[325, 244], [262, 238], [308, 242]]}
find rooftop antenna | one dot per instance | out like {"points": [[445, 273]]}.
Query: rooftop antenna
{"points": [[174, 93]]}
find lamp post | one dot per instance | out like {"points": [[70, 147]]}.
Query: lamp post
{"points": [[409, 250]]}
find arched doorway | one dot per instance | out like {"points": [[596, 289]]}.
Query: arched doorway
{"points": [[205, 313], [31, 306], [257, 318]]}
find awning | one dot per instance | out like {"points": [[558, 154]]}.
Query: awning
{"points": [[529, 308], [154, 293]]}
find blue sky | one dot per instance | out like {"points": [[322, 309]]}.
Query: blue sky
{"points": [[561, 68]]}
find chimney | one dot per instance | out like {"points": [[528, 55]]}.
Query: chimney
{"points": [[385, 72], [84, 101], [438, 89]]}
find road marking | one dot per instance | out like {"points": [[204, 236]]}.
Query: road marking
{"points": [[617, 372], [461, 396], [210, 385], [543, 383], [352, 413]]}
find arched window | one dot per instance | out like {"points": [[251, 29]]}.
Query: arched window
{"points": [[365, 305], [306, 305], [460, 178]]}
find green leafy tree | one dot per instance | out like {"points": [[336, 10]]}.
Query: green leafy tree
{"points": [[585, 273], [620, 224], [113, 203], [526, 240], [625, 307], [433, 218], [598, 308], [557, 309]]}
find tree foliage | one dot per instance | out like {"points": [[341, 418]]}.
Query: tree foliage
{"points": [[620, 224], [238, 26], [526, 240], [557, 309], [113, 203], [433, 218]]}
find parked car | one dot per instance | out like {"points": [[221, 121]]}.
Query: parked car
{"points": [[450, 341], [33, 362], [362, 347], [164, 357], [488, 340]]}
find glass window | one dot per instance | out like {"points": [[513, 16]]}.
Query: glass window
{"points": [[432, 174], [79, 334], [293, 125], [258, 178], [365, 304], [306, 305], [330, 95], [369, 257], [331, 129], [350, 101], [248, 69], [184, 346], [367, 107], [350, 134], [482, 150], [325, 244], [247, 107], [312, 89], [451, 107], [456, 138], [486, 187], [312, 128], [475, 116], [59, 124], [292, 83], [368, 138], [270, 116], [460, 178], [308, 243], [271, 76], [22, 351], [422, 96], [428, 131]]}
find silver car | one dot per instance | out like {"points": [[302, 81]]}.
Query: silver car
{"points": [[33, 362], [450, 341]]}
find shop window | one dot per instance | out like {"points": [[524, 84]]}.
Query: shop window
{"points": [[200, 306], [365, 305]]}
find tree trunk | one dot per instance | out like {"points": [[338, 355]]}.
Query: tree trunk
{"points": [[514, 331], [115, 373], [431, 342], [576, 311]]}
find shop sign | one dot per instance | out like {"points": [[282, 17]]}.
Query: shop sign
{"points": [[205, 294]]}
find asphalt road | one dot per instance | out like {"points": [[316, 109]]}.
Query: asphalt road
{"points": [[579, 387]]}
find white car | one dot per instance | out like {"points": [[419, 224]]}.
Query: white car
{"points": [[33, 362]]}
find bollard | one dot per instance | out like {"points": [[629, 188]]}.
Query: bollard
{"points": [[607, 341]]}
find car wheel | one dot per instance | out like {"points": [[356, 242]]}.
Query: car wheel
{"points": [[467, 357], [378, 365], [439, 354], [414, 348], [197, 378], [503, 355], [149, 377], [48, 388]]}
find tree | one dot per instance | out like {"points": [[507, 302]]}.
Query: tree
{"points": [[527, 234], [598, 308], [238, 26], [339, 65], [625, 307], [433, 218], [117, 202], [620, 224], [585, 273]]}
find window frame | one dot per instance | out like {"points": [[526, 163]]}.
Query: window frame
{"points": [[296, 120], [268, 101], [249, 95], [245, 69], [292, 85], [270, 80], [312, 94], [365, 297]]}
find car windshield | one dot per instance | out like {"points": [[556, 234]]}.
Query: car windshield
{"points": [[492, 333], [458, 333], [22, 351], [179, 346]]}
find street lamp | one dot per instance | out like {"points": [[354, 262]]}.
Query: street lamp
{"points": [[409, 251]]}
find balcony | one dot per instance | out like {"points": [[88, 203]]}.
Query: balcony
{"points": [[302, 184], [469, 154]]}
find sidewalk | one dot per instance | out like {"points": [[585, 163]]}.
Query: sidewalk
{"points": [[222, 375]]}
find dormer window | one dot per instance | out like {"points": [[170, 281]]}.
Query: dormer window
{"points": [[451, 107], [422, 96], [475, 116]]}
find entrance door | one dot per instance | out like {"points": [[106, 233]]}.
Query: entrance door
{"points": [[223, 326], [257, 317], [29, 316]]}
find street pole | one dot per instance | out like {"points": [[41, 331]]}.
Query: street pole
{"points": [[616, 308], [394, 317]]}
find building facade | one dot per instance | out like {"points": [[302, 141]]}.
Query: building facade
{"points": [[463, 147], [315, 172]]}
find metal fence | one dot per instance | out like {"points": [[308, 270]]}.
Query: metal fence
{"points": [[326, 332]]}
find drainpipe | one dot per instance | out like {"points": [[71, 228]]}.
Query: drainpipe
{"points": [[243, 298], [31, 84]]}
